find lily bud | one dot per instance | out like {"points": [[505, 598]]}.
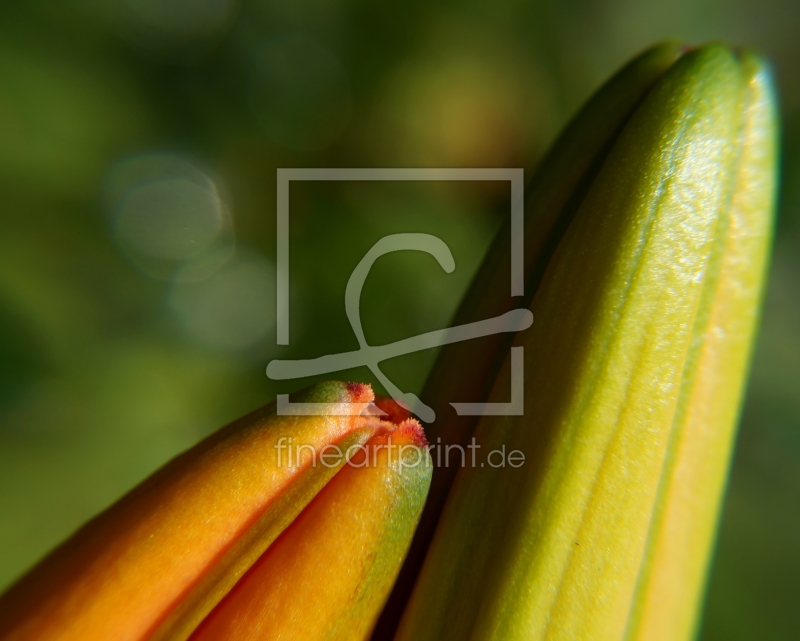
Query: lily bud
{"points": [[633, 375], [157, 562]]}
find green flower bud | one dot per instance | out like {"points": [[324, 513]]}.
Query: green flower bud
{"points": [[634, 367]]}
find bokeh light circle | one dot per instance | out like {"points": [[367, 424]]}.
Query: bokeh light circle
{"points": [[168, 217]]}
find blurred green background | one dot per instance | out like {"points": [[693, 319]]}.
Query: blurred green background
{"points": [[139, 141]]}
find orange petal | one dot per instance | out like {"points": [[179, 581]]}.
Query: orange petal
{"points": [[154, 563], [330, 572]]}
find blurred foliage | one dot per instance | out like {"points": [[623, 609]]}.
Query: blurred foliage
{"points": [[139, 141]]}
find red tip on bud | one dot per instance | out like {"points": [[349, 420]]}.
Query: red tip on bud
{"points": [[360, 392], [411, 430]]}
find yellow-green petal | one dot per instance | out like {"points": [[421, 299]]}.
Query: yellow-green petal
{"points": [[670, 587], [553, 550]]}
